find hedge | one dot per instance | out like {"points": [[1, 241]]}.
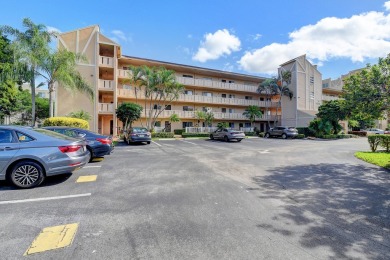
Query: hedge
{"points": [[66, 121], [250, 134], [261, 134], [379, 140], [359, 133], [300, 136], [163, 135], [335, 136], [305, 131], [185, 135], [178, 131]]}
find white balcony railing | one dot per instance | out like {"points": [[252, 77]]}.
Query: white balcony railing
{"points": [[200, 129], [127, 93], [216, 84], [123, 73], [106, 84], [106, 61], [329, 98], [106, 108]]}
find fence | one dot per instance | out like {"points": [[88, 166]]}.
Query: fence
{"points": [[200, 129]]}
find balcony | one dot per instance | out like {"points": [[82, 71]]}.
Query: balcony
{"points": [[329, 98], [106, 84], [216, 84], [126, 93], [106, 108], [217, 115], [106, 61]]}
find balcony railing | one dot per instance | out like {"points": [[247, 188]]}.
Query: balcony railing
{"points": [[123, 73], [217, 115], [329, 98], [106, 108], [106, 84], [127, 93], [216, 84], [106, 61]]}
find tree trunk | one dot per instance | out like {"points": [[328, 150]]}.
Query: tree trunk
{"points": [[51, 99], [32, 85]]}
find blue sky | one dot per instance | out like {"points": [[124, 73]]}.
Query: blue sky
{"points": [[244, 36]]}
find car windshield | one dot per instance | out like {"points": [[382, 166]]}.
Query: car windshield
{"points": [[140, 130], [53, 134]]}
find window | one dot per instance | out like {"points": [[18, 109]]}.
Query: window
{"points": [[261, 99], [231, 96], [268, 99], [188, 92], [312, 79], [248, 97], [231, 125], [188, 108], [223, 80], [6, 136], [223, 110], [187, 124], [204, 109], [24, 138], [325, 85], [188, 76], [156, 106], [157, 123], [231, 110], [168, 107], [231, 81], [207, 94], [223, 95], [247, 124], [311, 95]]}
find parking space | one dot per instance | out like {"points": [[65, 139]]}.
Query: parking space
{"points": [[171, 197]]}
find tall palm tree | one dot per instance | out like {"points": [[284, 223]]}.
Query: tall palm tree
{"points": [[251, 112], [200, 115], [29, 48], [269, 88], [60, 67]]}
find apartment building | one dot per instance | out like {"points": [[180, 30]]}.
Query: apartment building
{"points": [[225, 94]]}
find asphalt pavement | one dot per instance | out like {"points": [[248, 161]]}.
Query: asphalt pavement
{"points": [[203, 199]]}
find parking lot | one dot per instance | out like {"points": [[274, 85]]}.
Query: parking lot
{"points": [[204, 199]]}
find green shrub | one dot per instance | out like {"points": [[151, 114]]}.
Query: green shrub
{"points": [[185, 135], [250, 134], [359, 133], [305, 131], [179, 131], [340, 136], [163, 135], [261, 134], [374, 141], [300, 136], [385, 142], [66, 121]]}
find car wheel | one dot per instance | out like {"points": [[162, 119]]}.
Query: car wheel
{"points": [[284, 136], [90, 155], [239, 140], [226, 138], [211, 137], [27, 174], [267, 135], [148, 142]]}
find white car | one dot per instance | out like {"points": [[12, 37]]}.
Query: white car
{"points": [[376, 131]]}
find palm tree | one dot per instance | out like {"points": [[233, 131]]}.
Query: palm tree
{"points": [[173, 119], [81, 114], [29, 48], [209, 118], [60, 67], [283, 89], [200, 115], [251, 112], [269, 89]]}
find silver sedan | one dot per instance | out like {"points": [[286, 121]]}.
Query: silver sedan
{"points": [[227, 134], [28, 155]]}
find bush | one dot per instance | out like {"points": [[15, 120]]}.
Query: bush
{"points": [[385, 142], [305, 131], [163, 135], [185, 135], [300, 136], [250, 133], [261, 134], [179, 131], [359, 133], [66, 121], [335, 136], [374, 141]]}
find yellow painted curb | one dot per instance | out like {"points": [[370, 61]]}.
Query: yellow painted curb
{"points": [[88, 178], [53, 238]]}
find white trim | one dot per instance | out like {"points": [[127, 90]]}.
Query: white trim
{"points": [[156, 143], [77, 40], [89, 41], [63, 43], [109, 43]]}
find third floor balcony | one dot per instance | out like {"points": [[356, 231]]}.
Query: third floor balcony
{"points": [[105, 61], [129, 93]]}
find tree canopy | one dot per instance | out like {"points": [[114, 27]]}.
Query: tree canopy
{"points": [[127, 113]]}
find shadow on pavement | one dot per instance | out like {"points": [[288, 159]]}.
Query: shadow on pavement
{"points": [[344, 208], [50, 181]]}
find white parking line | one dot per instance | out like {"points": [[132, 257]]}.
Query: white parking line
{"points": [[156, 143], [92, 166], [189, 142], [43, 199]]}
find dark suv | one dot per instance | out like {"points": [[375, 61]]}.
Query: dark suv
{"points": [[282, 131]]}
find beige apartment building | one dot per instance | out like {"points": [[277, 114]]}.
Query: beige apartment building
{"points": [[225, 94]]}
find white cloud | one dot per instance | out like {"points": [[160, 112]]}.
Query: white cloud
{"points": [[119, 35], [228, 67], [216, 45], [53, 29], [387, 5], [256, 36], [359, 37], [189, 36]]}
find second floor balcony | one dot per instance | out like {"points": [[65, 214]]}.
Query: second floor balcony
{"points": [[106, 108], [128, 93], [106, 84], [105, 61]]}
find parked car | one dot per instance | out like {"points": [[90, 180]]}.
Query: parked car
{"points": [[374, 131], [227, 134], [98, 145], [137, 135], [28, 156], [282, 131]]}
